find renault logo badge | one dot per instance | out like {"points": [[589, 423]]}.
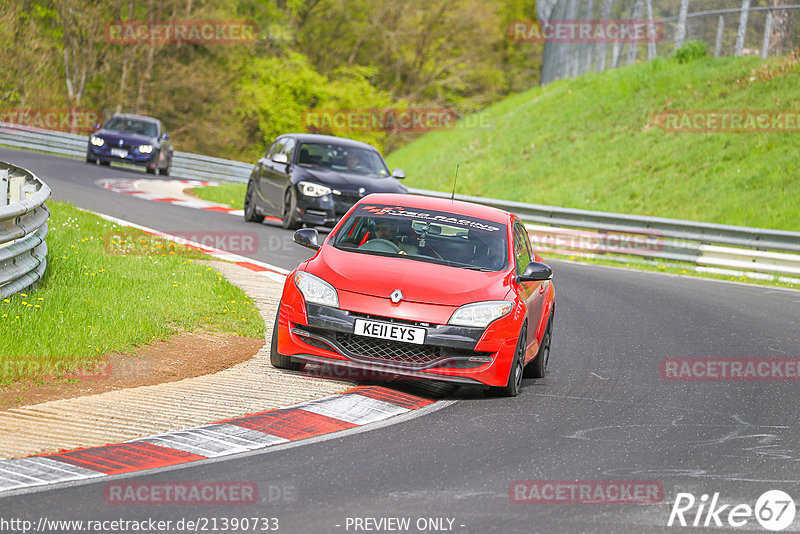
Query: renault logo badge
{"points": [[396, 296]]}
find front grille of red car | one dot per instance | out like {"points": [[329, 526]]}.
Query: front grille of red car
{"points": [[405, 355]]}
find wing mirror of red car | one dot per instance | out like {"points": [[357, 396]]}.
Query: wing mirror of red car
{"points": [[536, 272], [307, 237]]}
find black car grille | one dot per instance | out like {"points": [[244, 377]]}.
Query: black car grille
{"points": [[406, 355], [349, 196], [389, 351]]}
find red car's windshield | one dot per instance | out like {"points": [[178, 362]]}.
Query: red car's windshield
{"points": [[425, 235]]}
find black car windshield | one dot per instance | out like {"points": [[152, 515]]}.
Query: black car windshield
{"points": [[425, 235], [122, 124], [342, 158]]}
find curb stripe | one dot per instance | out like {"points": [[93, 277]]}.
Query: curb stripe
{"points": [[239, 435], [356, 407], [405, 400], [125, 457], [293, 424], [129, 187]]}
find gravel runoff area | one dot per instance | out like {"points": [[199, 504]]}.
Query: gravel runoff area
{"points": [[116, 416]]}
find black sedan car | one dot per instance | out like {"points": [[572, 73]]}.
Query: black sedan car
{"points": [[132, 139], [314, 179]]}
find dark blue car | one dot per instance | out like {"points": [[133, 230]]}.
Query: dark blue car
{"points": [[132, 139]]}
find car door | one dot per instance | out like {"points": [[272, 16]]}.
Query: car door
{"points": [[260, 177], [283, 171], [272, 183], [531, 292]]}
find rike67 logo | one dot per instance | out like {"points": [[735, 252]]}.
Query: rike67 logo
{"points": [[774, 510]]}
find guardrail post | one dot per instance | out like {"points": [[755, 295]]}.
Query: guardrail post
{"points": [[680, 31], [741, 33], [767, 35], [720, 29], [3, 187], [15, 189]]}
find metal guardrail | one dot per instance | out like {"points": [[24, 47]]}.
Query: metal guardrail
{"points": [[553, 229], [184, 164], [23, 229]]}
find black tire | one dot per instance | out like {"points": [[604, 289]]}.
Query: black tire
{"points": [[278, 361], [90, 159], [289, 219], [164, 171], [514, 384], [250, 212], [537, 367], [105, 163], [150, 170]]}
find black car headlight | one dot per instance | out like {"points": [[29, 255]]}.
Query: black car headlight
{"points": [[146, 149], [96, 141], [310, 189]]}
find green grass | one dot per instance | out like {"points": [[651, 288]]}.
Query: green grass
{"points": [[231, 195], [591, 142], [95, 300]]}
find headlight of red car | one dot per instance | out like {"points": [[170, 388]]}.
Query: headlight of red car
{"points": [[480, 314], [316, 290]]}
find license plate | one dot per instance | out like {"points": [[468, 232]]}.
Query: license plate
{"points": [[394, 332], [119, 152]]}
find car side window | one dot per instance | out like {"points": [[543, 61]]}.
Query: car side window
{"points": [[288, 148], [522, 248], [275, 148]]}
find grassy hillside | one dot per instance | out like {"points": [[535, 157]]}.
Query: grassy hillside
{"points": [[592, 143]]}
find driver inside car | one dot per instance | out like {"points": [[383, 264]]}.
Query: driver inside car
{"points": [[390, 231]]}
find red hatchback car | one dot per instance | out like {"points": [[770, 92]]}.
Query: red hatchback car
{"points": [[420, 287]]}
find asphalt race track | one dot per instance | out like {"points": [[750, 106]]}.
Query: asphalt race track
{"points": [[603, 412]]}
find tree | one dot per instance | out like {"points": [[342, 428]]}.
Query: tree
{"points": [[780, 39]]}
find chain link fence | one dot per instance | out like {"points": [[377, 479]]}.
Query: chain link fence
{"points": [[730, 27]]}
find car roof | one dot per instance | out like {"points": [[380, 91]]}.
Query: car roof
{"points": [[456, 207], [138, 117], [317, 138]]}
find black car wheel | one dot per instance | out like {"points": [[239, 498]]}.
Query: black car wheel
{"points": [[90, 159], [514, 384], [151, 165], [278, 361], [105, 163], [290, 220], [250, 212], [164, 171], [538, 366]]}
